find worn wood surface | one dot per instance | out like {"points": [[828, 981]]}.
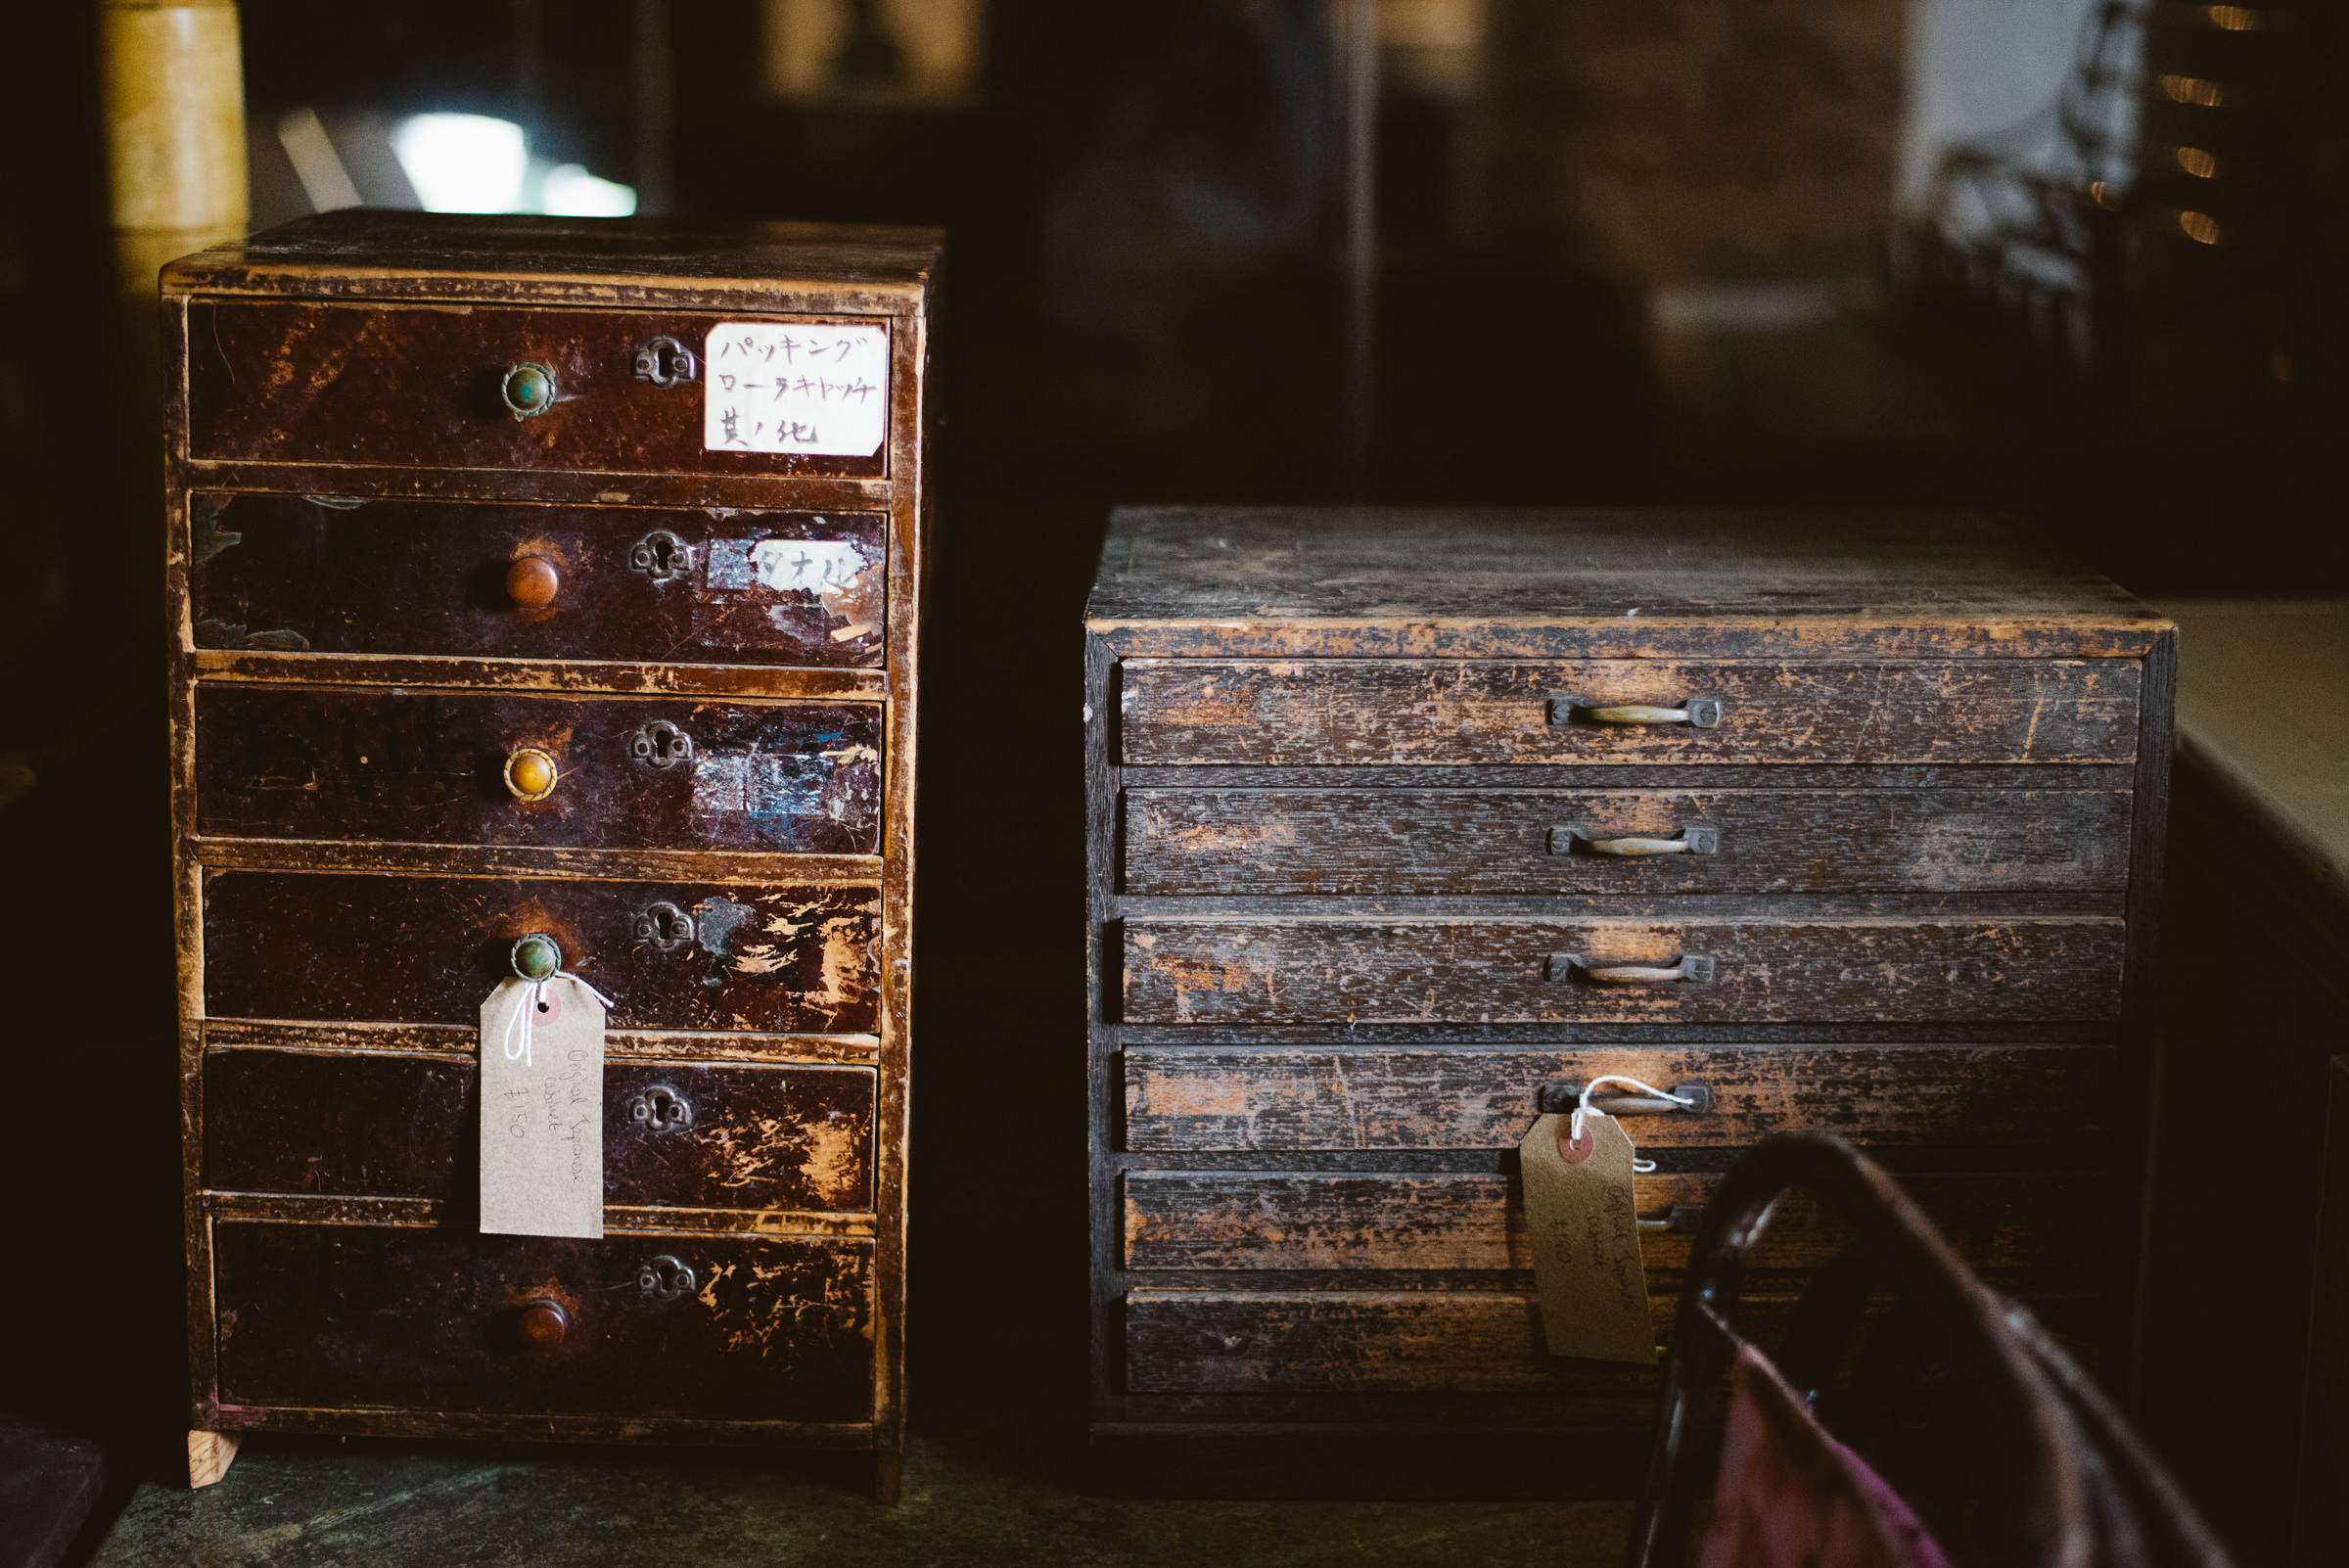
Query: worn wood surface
{"points": [[463, 1039], [399, 1125], [301, 382], [831, 268], [1485, 1097], [351, 575], [1395, 1340], [420, 1319], [1330, 841], [428, 950], [1650, 582], [534, 860], [311, 1208], [2007, 1225], [371, 764], [1491, 969], [519, 675], [1330, 712]]}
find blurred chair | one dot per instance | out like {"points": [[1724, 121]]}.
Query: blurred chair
{"points": [[1976, 1422]]}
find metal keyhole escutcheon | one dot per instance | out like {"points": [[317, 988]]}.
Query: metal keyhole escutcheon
{"points": [[660, 1109], [665, 362], [665, 926], [660, 556], [660, 744], [664, 1278]]}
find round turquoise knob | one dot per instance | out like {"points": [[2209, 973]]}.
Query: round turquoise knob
{"points": [[536, 957], [529, 389]]}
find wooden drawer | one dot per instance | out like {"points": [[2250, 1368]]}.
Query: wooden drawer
{"points": [[426, 1318], [1336, 711], [676, 1134], [408, 386], [2029, 1229], [1410, 1341], [1497, 969], [1181, 1097], [334, 574], [365, 763], [1342, 841], [426, 950]]}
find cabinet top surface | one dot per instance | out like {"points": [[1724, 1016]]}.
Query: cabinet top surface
{"points": [[864, 269], [1222, 569]]}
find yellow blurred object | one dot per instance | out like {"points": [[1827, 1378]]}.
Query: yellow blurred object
{"points": [[928, 50], [174, 99]]}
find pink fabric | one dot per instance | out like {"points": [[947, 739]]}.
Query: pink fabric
{"points": [[1791, 1496]]}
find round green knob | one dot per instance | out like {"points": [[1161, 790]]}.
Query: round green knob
{"points": [[529, 389], [536, 957]]}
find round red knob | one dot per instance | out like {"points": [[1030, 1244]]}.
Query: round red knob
{"points": [[532, 582], [543, 1324]]}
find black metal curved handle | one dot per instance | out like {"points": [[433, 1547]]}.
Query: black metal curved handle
{"points": [[2034, 1503]]}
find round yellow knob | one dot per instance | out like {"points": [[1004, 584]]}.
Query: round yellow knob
{"points": [[530, 774]]}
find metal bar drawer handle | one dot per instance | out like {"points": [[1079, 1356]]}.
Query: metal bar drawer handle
{"points": [[1681, 1220], [1695, 968], [1695, 839], [1700, 713], [1562, 1095]]}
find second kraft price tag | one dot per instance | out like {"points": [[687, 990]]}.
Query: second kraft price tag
{"points": [[1584, 1228]]}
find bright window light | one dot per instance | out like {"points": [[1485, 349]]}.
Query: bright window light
{"points": [[463, 162], [569, 191]]}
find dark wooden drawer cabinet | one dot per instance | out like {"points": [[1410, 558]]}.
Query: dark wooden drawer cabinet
{"points": [[1406, 824], [453, 497]]}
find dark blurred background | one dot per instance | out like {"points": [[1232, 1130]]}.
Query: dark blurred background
{"points": [[2083, 260]]}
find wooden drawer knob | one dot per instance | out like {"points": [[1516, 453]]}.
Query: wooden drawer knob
{"points": [[543, 1326], [530, 774], [532, 582]]}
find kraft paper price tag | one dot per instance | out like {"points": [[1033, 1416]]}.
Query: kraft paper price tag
{"points": [[543, 1110], [795, 387], [1584, 1230]]}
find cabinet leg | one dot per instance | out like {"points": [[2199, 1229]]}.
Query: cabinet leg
{"points": [[210, 1455], [888, 1471]]}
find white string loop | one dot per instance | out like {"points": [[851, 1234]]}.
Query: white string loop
{"points": [[1574, 1126], [525, 1017]]}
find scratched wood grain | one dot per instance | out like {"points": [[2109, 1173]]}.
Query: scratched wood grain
{"points": [[370, 764], [315, 382], [1485, 1097], [397, 1316], [334, 947], [386, 1125], [357, 575], [1400, 1341], [1438, 841], [2004, 1224], [1331, 711], [467, 260], [1497, 969]]}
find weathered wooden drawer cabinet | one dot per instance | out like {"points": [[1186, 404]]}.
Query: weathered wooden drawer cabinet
{"points": [[447, 494], [1406, 824]]}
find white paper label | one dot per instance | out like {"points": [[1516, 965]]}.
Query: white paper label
{"points": [[543, 1111], [790, 387]]}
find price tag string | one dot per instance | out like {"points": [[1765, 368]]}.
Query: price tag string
{"points": [[1574, 1126], [524, 1021]]}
